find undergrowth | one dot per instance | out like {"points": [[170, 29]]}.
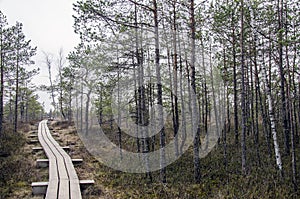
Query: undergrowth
{"points": [[16, 169], [218, 181]]}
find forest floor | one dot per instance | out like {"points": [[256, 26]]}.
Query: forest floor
{"points": [[18, 170]]}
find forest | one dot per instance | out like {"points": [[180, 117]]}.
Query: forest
{"points": [[170, 99]]}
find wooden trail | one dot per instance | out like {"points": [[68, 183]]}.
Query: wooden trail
{"points": [[63, 180]]}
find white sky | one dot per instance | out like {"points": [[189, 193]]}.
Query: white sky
{"points": [[48, 24]]}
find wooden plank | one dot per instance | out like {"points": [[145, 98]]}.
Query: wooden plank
{"points": [[52, 189], [77, 161], [75, 189], [32, 136], [35, 149], [42, 163], [65, 167], [71, 170], [64, 189], [63, 180], [53, 173], [86, 182], [39, 188], [32, 141]]}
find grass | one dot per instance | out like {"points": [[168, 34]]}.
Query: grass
{"points": [[262, 180], [17, 171]]}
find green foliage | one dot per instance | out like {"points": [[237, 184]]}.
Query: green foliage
{"points": [[16, 54], [218, 36], [28, 105]]}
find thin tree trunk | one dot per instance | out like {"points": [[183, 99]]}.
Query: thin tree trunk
{"points": [[101, 106], [81, 106], [205, 111], [175, 84], [87, 109], [70, 106], [235, 96], [272, 120], [256, 131], [119, 110], [137, 111], [2, 83], [60, 68], [17, 95], [243, 97], [48, 62], [256, 85], [226, 121], [282, 78], [196, 129], [183, 117], [291, 107], [159, 97], [217, 119], [294, 167], [172, 104]]}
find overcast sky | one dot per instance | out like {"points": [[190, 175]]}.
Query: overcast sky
{"points": [[48, 24]]}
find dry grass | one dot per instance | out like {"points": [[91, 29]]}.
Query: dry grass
{"points": [[67, 136], [216, 182], [18, 169]]}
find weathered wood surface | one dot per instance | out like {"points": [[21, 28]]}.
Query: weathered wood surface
{"points": [[63, 180]]}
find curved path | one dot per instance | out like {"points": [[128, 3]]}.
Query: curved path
{"points": [[63, 180]]}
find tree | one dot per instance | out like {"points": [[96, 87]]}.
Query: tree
{"points": [[15, 54], [22, 52], [3, 24], [243, 93], [272, 120], [60, 64], [159, 92], [68, 88], [48, 61], [197, 174], [252, 43]]}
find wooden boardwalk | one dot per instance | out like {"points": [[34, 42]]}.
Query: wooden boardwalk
{"points": [[63, 180]]}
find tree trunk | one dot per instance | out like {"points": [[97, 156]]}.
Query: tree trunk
{"points": [[172, 104], [196, 129], [48, 62], [175, 84], [235, 96], [159, 96], [70, 106], [217, 117], [255, 81], [87, 109], [60, 68], [272, 120], [1, 83], [282, 78], [243, 94], [17, 95]]}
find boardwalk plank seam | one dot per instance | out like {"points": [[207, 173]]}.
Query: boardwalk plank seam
{"points": [[63, 180]]}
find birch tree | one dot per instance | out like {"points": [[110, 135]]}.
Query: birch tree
{"points": [[272, 119]]}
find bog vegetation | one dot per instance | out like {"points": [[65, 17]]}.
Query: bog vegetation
{"points": [[232, 65]]}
